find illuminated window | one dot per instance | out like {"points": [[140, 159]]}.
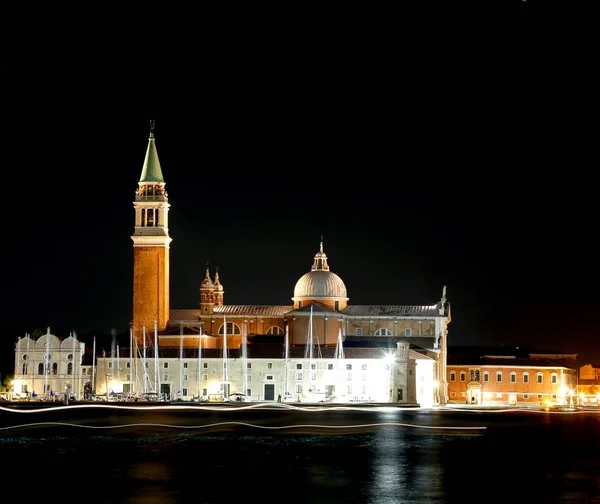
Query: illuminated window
{"points": [[383, 331], [231, 329], [513, 377], [498, 395], [452, 394], [274, 330]]}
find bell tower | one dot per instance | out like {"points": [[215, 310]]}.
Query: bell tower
{"points": [[150, 248]]}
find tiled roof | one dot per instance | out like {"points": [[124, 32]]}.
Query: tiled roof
{"points": [[391, 310], [424, 342]]}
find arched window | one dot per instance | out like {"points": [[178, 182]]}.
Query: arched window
{"points": [[70, 368], [24, 368], [231, 329], [274, 330], [383, 331], [55, 368], [41, 368]]}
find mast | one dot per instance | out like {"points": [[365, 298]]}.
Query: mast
{"points": [[131, 381], [73, 367], [156, 363], [93, 391], [144, 361], [245, 359], [47, 362], [286, 359], [225, 371], [199, 371], [179, 391]]}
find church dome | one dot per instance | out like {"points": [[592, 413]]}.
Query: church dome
{"points": [[320, 283]]}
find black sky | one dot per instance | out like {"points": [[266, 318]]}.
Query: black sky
{"points": [[442, 150]]}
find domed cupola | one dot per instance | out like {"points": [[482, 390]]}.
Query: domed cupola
{"points": [[320, 285]]}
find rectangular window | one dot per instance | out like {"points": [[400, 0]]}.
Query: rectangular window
{"points": [[554, 379], [128, 365], [299, 376], [204, 392], [165, 377], [407, 331], [249, 377], [298, 365], [359, 331], [185, 377], [204, 378], [349, 377], [127, 377], [452, 376], [499, 376], [205, 365], [525, 378], [269, 365], [185, 365], [269, 377], [298, 389], [463, 376], [110, 365], [513, 377], [249, 392], [184, 391], [525, 396], [166, 365], [249, 365], [330, 367], [540, 378], [348, 367], [363, 367]]}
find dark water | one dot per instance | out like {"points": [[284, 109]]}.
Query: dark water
{"points": [[401, 457]]}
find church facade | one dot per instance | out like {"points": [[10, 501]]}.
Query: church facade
{"points": [[319, 348]]}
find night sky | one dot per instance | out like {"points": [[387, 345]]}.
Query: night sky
{"points": [[460, 155]]}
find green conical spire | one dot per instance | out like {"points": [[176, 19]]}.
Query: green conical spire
{"points": [[151, 172]]}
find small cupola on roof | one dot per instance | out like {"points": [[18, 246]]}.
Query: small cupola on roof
{"points": [[320, 285]]}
